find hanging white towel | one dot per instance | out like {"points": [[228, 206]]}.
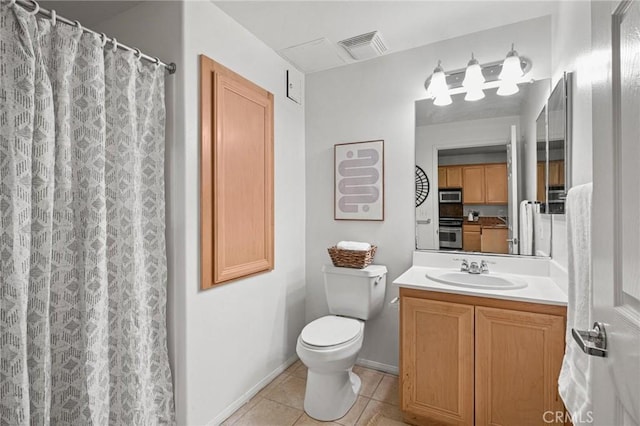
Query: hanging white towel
{"points": [[526, 228], [575, 377], [353, 245]]}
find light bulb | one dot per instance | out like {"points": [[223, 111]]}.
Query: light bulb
{"points": [[442, 99], [438, 85], [507, 88], [473, 78], [474, 95], [511, 67]]}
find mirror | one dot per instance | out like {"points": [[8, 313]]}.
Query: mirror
{"points": [[554, 139], [480, 158]]}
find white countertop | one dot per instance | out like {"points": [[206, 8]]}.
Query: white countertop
{"points": [[540, 289]]}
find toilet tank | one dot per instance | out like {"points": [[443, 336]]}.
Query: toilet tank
{"points": [[356, 293]]}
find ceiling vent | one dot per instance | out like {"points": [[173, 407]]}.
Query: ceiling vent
{"points": [[364, 46]]}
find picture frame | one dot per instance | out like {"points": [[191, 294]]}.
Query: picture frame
{"points": [[358, 181]]}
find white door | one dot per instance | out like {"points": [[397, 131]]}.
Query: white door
{"points": [[616, 210], [512, 173]]}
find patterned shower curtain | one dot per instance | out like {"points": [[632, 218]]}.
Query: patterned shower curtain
{"points": [[82, 249]]}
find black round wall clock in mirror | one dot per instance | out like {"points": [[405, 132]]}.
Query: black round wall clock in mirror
{"points": [[422, 186]]}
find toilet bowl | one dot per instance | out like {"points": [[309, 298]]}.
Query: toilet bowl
{"points": [[329, 348]]}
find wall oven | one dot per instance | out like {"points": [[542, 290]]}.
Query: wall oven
{"points": [[451, 196], [450, 232]]}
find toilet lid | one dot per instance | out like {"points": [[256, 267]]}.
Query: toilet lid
{"points": [[331, 330]]}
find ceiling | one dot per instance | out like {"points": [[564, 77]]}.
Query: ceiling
{"points": [[403, 24], [88, 12]]}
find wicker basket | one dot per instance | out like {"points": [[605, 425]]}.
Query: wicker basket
{"points": [[352, 258]]}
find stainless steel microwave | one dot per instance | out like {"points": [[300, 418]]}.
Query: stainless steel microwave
{"points": [[451, 196]]}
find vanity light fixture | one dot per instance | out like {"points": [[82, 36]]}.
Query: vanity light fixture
{"points": [[475, 78], [510, 74], [438, 88]]}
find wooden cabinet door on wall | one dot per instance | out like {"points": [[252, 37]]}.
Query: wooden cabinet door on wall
{"points": [[442, 177], [518, 359], [236, 175], [496, 184], [454, 177], [436, 361], [473, 184]]}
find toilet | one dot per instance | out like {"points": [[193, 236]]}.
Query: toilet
{"points": [[329, 346]]}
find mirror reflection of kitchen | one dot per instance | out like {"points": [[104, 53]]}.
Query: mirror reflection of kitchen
{"points": [[482, 156]]}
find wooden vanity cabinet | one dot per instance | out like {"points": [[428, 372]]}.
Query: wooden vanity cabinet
{"points": [[467, 360]]}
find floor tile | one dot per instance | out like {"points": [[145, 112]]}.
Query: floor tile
{"points": [[272, 385], [305, 420], [300, 371], [269, 413], [293, 367], [387, 390], [370, 380], [241, 411], [290, 392], [354, 413], [374, 407]]}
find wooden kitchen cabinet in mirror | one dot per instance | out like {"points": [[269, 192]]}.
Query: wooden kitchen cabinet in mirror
{"points": [[236, 176]]}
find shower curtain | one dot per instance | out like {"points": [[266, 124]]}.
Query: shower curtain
{"points": [[82, 249]]}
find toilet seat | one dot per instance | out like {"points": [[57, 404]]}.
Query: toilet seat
{"points": [[331, 330]]}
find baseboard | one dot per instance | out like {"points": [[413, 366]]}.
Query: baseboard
{"points": [[233, 407], [391, 369]]}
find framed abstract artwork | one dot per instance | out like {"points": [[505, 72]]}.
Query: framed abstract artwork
{"points": [[359, 180]]}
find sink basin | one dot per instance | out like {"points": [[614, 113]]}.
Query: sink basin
{"points": [[489, 281]]}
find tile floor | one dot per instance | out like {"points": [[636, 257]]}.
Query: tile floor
{"points": [[280, 403]]}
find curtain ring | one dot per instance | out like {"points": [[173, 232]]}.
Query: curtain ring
{"points": [[104, 39], [78, 25], [36, 8], [156, 60], [54, 17], [115, 45], [138, 53]]}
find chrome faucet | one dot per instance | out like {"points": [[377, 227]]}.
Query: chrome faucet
{"points": [[474, 267], [464, 267]]}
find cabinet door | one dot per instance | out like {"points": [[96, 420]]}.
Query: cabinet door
{"points": [[496, 184], [540, 177], [518, 359], [473, 185], [436, 362], [454, 177], [471, 237], [494, 240], [556, 173], [442, 177]]}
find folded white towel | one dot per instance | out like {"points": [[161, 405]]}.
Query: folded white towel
{"points": [[575, 377], [353, 245]]}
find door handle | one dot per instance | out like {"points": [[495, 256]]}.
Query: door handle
{"points": [[592, 342]]}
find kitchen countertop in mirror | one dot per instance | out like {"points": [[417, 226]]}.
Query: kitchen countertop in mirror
{"points": [[539, 289]]}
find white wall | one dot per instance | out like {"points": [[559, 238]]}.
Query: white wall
{"points": [[240, 332], [375, 100], [571, 52], [227, 340]]}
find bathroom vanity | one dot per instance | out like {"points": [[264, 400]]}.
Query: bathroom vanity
{"points": [[480, 354]]}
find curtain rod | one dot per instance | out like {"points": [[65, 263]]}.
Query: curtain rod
{"points": [[34, 8]]}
